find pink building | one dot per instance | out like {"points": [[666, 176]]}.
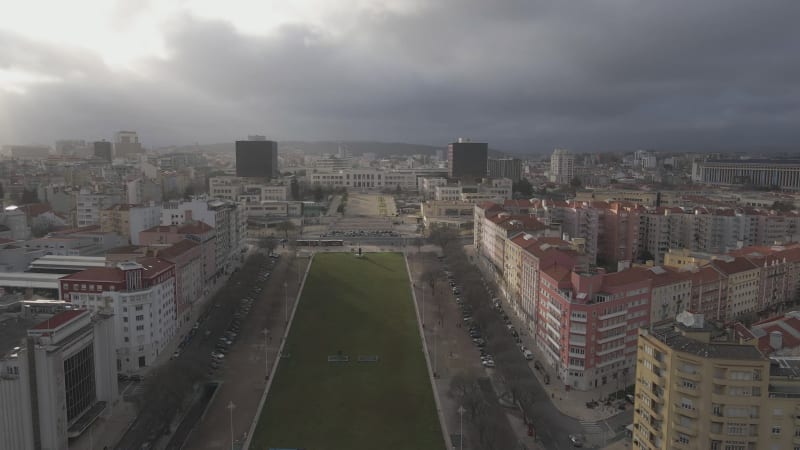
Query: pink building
{"points": [[187, 257], [588, 324]]}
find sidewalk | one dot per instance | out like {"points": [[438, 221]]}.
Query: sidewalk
{"points": [[107, 430], [571, 403]]}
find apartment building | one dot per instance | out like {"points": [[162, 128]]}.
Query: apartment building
{"points": [[562, 166], [228, 219], [198, 232], [496, 228], [429, 184], [619, 233], [695, 391], [89, 204], [741, 283], [671, 292], [525, 256], [141, 297], [587, 324], [128, 220], [187, 257]]}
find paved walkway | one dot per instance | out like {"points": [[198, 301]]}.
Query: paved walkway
{"points": [[243, 376]]}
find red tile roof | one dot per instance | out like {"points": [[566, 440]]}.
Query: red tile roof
{"points": [[175, 250], [738, 265], [154, 266], [558, 273], [704, 275], [632, 275], [60, 319]]}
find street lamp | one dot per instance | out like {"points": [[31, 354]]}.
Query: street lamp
{"points": [[230, 407], [422, 285], [434, 353], [286, 301], [461, 412], [266, 355]]}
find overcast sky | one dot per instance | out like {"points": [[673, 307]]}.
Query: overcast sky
{"points": [[524, 75]]}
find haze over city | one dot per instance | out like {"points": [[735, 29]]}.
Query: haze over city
{"points": [[526, 76]]}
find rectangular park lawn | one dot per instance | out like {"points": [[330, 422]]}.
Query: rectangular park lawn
{"points": [[352, 307]]}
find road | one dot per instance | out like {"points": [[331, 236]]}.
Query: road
{"points": [[458, 355]]}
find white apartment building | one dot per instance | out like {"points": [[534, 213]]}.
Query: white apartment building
{"points": [[62, 374], [228, 219], [141, 297], [238, 189], [429, 184], [447, 193], [562, 166], [89, 204]]}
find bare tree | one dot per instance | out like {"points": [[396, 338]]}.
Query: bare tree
{"points": [[268, 244], [442, 236]]}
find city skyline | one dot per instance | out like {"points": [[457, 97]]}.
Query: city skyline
{"points": [[605, 76]]}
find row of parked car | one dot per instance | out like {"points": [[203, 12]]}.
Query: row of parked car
{"points": [[228, 338], [514, 333], [472, 327]]}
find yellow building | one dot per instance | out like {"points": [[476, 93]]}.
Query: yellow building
{"points": [[695, 393], [116, 219], [682, 257]]}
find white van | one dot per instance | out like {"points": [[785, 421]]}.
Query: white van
{"points": [[528, 355]]}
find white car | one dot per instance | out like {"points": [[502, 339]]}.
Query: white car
{"points": [[217, 355], [488, 363]]}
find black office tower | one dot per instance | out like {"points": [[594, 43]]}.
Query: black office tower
{"points": [[102, 150], [256, 159], [467, 160]]}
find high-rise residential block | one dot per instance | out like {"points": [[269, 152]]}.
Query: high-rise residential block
{"points": [[467, 160], [562, 166], [505, 168], [257, 159], [127, 143], [102, 150]]}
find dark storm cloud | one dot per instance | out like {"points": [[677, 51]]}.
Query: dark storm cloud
{"points": [[525, 75]]}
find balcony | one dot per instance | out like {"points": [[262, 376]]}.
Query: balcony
{"points": [[611, 327], [688, 412], [686, 429], [612, 315], [694, 376], [685, 390], [611, 338]]}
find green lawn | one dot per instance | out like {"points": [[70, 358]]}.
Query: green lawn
{"points": [[359, 306]]}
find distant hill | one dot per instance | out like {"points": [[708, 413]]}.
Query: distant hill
{"points": [[323, 147]]}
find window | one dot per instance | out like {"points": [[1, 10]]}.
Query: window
{"points": [[139, 327], [776, 430], [140, 318], [737, 429], [139, 307], [683, 439]]}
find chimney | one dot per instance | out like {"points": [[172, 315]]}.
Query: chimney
{"points": [[776, 340]]}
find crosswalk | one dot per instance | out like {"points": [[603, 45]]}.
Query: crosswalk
{"points": [[594, 432], [591, 427]]}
